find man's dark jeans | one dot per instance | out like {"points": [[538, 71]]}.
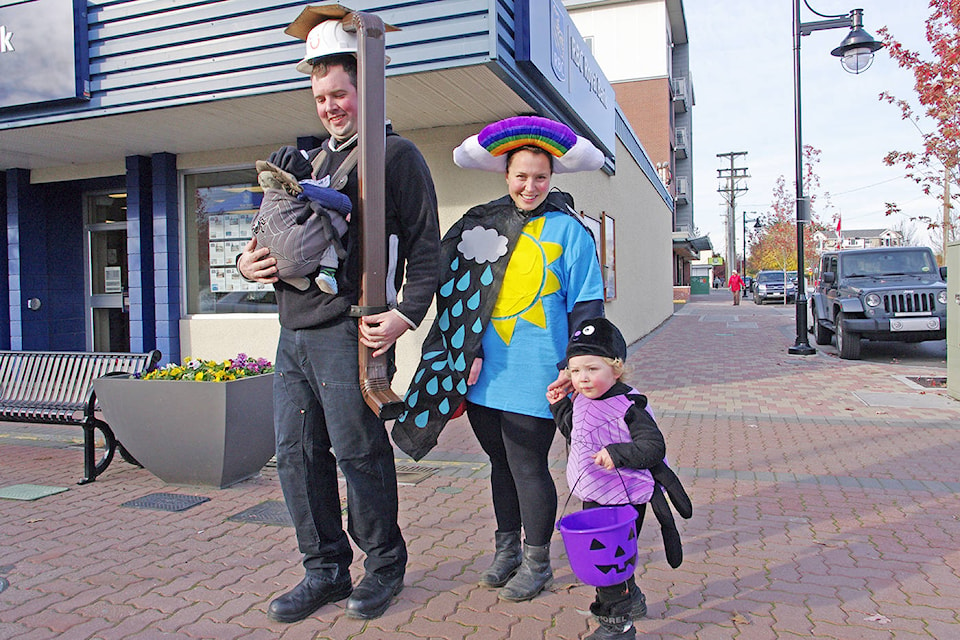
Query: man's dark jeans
{"points": [[319, 411]]}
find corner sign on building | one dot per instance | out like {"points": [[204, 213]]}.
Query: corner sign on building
{"points": [[44, 56], [550, 50]]}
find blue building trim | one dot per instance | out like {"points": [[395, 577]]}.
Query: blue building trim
{"points": [[140, 263], [149, 54], [166, 251]]}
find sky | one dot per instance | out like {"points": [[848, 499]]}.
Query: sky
{"points": [[741, 62]]}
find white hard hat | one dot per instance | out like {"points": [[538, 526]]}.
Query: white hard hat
{"points": [[326, 39]]}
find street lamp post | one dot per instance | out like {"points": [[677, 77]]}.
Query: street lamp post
{"points": [[856, 54]]}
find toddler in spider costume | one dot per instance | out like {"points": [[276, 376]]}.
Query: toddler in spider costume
{"points": [[615, 448]]}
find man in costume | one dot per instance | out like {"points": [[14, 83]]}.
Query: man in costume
{"points": [[320, 417]]}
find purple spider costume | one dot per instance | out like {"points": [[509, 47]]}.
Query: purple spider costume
{"points": [[596, 424]]}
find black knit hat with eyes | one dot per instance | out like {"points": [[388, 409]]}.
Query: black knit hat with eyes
{"points": [[597, 337]]}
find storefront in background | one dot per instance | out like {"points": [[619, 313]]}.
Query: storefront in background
{"points": [[129, 186]]}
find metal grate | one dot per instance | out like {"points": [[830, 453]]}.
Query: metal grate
{"points": [[166, 502], [267, 512], [413, 474]]}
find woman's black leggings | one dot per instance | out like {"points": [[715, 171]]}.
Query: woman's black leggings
{"points": [[523, 490]]}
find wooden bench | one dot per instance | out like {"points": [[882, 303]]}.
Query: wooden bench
{"points": [[57, 388]]}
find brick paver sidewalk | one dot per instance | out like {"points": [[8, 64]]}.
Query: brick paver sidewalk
{"points": [[825, 506]]}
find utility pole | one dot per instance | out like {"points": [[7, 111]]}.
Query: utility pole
{"points": [[729, 191]]}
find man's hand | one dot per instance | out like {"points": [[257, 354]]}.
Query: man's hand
{"points": [[603, 459], [381, 330], [257, 264]]}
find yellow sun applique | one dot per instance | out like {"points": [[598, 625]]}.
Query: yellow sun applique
{"points": [[526, 281]]}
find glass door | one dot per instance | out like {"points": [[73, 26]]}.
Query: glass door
{"points": [[108, 304]]}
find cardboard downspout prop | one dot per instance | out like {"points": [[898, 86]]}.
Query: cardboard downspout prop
{"points": [[371, 81]]}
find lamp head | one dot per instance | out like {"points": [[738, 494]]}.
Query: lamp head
{"points": [[857, 49]]}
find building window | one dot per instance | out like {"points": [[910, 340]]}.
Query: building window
{"points": [[219, 209]]}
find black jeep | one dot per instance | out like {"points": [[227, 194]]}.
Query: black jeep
{"points": [[888, 293]]}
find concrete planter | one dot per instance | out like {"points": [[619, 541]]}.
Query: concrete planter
{"points": [[194, 433]]}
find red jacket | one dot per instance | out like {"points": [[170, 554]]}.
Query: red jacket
{"points": [[736, 282]]}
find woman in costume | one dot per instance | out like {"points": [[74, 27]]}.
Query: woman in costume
{"points": [[520, 272]]}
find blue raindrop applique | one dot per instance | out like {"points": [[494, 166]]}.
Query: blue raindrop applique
{"points": [[422, 419], [457, 339], [457, 309], [473, 301], [447, 288], [464, 282], [486, 277], [444, 406], [433, 386]]}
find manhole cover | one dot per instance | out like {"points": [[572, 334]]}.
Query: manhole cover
{"points": [[166, 502], [29, 491], [929, 382], [412, 474], [267, 512]]}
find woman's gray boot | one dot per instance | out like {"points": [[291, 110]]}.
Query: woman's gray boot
{"points": [[534, 575], [506, 560]]}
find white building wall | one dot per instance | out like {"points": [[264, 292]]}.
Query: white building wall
{"points": [[630, 40]]}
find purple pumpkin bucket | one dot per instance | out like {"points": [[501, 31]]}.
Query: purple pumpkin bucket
{"points": [[601, 544]]}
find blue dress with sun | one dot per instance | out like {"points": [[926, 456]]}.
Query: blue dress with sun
{"points": [[507, 285]]}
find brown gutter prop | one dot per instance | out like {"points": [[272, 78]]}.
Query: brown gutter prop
{"points": [[374, 378]]}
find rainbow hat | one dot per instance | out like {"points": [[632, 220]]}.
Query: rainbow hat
{"points": [[488, 149]]}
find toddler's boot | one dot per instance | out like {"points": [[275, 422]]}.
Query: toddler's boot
{"points": [[615, 621]]}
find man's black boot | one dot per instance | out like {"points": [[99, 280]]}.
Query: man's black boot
{"points": [[312, 593], [372, 596]]}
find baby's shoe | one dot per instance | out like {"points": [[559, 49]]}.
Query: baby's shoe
{"points": [[327, 281]]}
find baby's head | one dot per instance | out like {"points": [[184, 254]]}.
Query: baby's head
{"points": [[596, 356]]}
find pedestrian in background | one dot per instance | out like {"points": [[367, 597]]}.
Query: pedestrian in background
{"points": [[736, 285]]}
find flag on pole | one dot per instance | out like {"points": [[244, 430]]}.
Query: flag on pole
{"points": [[839, 233]]}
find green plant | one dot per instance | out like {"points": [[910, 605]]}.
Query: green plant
{"points": [[196, 370]]}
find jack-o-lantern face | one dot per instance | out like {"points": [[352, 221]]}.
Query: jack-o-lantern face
{"points": [[615, 558]]}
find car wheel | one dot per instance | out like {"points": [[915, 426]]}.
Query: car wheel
{"points": [[848, 343], [821, 334]]}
